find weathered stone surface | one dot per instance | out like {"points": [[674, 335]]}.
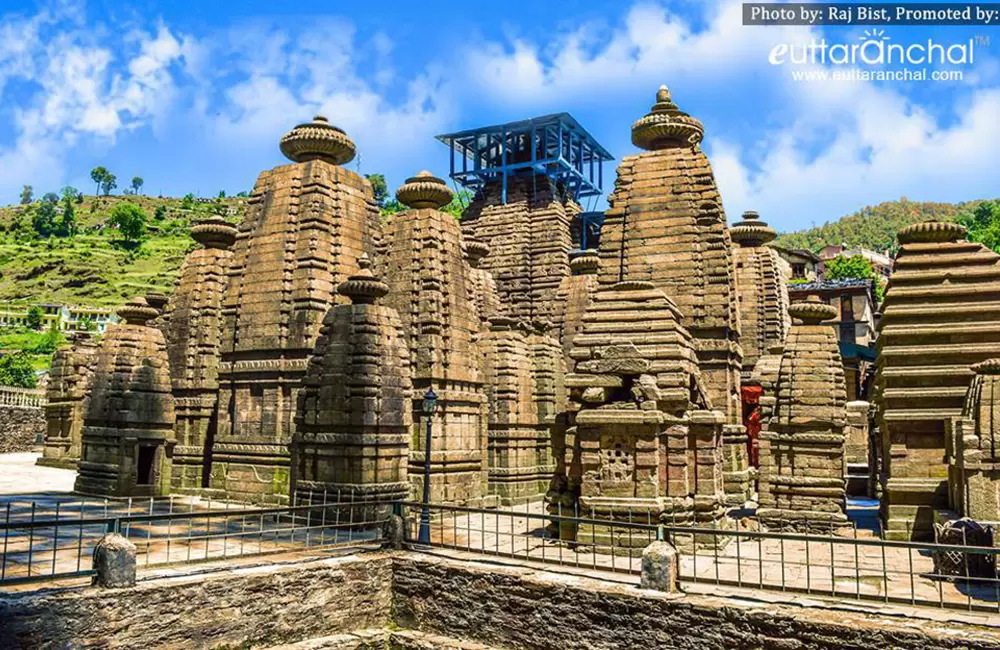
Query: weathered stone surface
{"points": [[128, 429], [518, 607], [248, 607], [114, 561], [354, 414], [665, 224], [660, 567], [529, 238], [574, 294], [938, 319], [192, 327], [20, 427], [801, 482], [429, 286], [69, 383], [305, 227]]}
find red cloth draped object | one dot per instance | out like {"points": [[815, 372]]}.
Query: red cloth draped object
{"points": [[751, 419]]}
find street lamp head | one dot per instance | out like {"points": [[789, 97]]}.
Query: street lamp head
{"points": [[430, 401]]}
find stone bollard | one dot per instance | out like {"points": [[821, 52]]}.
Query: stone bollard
{"points": [[114, 561], [660, 567], [395, 532]]}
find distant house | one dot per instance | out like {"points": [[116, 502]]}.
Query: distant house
{"points": [[802, 264], [67, 318], [856, 305], [881, 262]]}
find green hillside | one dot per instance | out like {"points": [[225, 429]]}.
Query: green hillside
{"points": [[875, 227], [94, 267]]}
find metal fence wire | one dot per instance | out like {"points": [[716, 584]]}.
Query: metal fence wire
{"points": [[42, 541]]}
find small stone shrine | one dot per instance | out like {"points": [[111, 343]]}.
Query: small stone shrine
{"points": [[192, 327], [574, 295], [355, 413], [305, 227], [938, 319], [429, 286], [128, 430], [644, 440], [801, 484], [69, 385]]}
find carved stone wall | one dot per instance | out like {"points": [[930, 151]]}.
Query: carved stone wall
{"points": [[192, 327], [938, 319], [354, 415], [305, 227], [128, 429], [429, 286], [529, 237], [802, 482], [575, 293], [66, 393], [665, 224]]}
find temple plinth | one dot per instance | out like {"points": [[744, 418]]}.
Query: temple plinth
{"points": [[306, 225], [128, 433], [801, 482]]}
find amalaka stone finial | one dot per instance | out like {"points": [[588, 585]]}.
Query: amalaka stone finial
{"points": [[363, 288], [584, 262], [214, 232], [424, 190], [137, 312], [666, 126], [751, 231], [476, 250], [157, 301], [318, 140], [988, 367], [932, 231], [812, 311]]}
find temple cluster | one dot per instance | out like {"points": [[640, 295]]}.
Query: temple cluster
{"points": [[653, 363]]}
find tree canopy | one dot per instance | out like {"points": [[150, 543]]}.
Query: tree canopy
{"points": [[130, 220], [984, 224], [851, 268], [16, 370]]}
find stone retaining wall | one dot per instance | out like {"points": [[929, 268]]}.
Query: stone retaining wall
{"points": [[20, 427], [415, 601]]}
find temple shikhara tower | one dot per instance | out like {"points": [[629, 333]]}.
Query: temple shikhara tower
{"points": [[938, 320], [128, 430], [305, 227], [802, 447], [69, 385], [429, 284], [193, 331], [665, 225]]}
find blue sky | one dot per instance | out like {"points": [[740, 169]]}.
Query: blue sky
{"points": [[193, 96]]}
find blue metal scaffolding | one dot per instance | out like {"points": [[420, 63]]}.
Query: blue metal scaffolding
{"points": [[552, 145]]}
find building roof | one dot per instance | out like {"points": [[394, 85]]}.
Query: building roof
{"points": [[831, 285], [801, 252]]}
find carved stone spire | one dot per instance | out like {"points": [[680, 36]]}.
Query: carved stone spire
{"points": [[363, 288], [751, 231], [424, 191], [318, 140], [666, 126]]}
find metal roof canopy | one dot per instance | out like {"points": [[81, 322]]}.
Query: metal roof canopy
{"points": [[554, 145]]}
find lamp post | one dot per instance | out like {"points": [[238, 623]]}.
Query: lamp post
{"points": [[429, 406]]}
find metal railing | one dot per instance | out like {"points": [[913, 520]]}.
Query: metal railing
{"points": [[853, 566], [44, 543]]}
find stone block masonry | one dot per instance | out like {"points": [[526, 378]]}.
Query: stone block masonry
{"points": [[20, 428], [407, 600]]}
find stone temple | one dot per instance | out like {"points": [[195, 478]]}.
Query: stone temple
{"points": [[607, 371]]}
